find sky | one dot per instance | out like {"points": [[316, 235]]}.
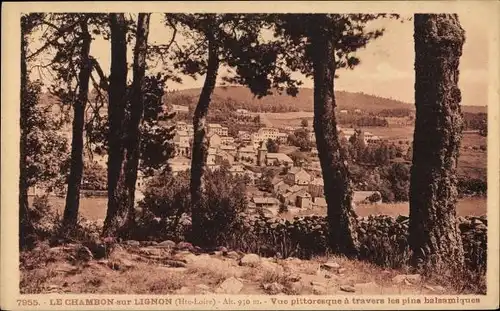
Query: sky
{"points": [[386, 67]]}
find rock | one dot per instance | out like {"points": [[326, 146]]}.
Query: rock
{"points": [[132, 243], [296, 288], [412, 278], [83, 253], [273, 288], [104, 262], [183, 246], [330, 266], [481, 227], [314, 283], [121, 264], [183, 290], [294, 277], [166, 244], [318, 290], [149, 243], [232, 255], [173, 269], [66, 268], [223, 250], [271, 267], [347, 288], [341, 270], [202, 289], [230, 286], [251, 260], [150, 251], [434, 289], [477, 222], [327, 276], [439, 288]]}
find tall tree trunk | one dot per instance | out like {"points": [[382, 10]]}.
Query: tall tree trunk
{"points": [[76, 166], [434, 234], [116, 113], [25, 226], [200, 144], [133, 138], [338, 192]]}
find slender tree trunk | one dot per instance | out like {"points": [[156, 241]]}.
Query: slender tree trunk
{"points": [[200, 144], [133, 138], [116, 113], [338, 192], [25, 226], [434, 235], [76, 166]]}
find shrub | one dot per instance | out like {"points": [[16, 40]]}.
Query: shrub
{"points": [[223, 200], [166, 205], [375, 197]]}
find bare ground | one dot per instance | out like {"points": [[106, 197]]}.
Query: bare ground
{"points": [[161, 270]]}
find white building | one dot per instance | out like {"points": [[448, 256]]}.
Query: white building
{"points": [[242, 112], [266, 133], [278, 159], [217, 129], [180, 109], [297, 176], [227, 140], [244, 136]]}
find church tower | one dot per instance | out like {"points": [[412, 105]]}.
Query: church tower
{"points": [[261, 155]]}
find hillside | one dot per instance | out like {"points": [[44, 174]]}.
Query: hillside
{"points": [[304, 99]]}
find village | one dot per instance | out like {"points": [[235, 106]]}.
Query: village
{"points": [[294, 185]]}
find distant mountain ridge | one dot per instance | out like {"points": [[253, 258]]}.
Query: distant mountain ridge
{"points": [[304, 99]]}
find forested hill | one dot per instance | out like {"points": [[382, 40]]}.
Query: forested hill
{"points": [[243, 98]]}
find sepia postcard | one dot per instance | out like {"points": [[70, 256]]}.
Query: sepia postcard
{"points": [[250, 155]]}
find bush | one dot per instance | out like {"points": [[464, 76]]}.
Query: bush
{"points": [[375, 197], [222, 201], [166, 205]]}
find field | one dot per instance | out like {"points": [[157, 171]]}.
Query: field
{"points": [[465, 207], [95, 208]]}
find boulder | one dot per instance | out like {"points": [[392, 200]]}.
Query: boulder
{"points": [[230, 286], [232, 255], [166, 244], [151, 251], [318, 290], [347, 288], [331, 266], [83, 253], [185, 246], [183, 290], [268, 267], [412, 278], [132, 243], [251, 260]]}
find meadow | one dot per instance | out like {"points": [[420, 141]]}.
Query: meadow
{"points": [[475, 206], [94, 208]]}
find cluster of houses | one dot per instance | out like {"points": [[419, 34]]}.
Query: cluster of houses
{"points": [[301, 187], [247, 148]]}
